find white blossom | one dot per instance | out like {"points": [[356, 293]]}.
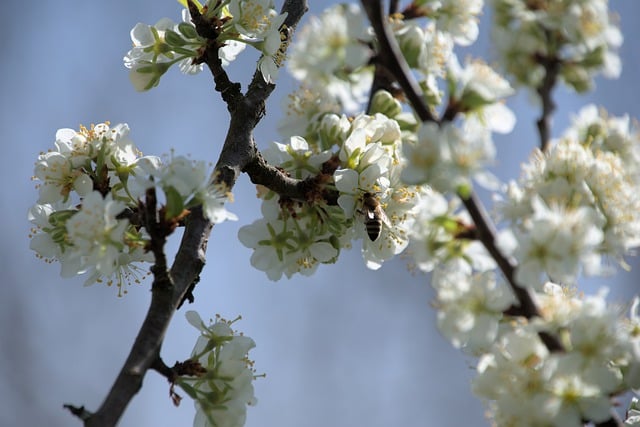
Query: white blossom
{"points": [[456, 17], [222, 393], [581, 36], [470, 307], [447, 157], [331, 51]]}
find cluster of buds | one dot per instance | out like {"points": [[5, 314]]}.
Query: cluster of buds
{"points": [[571, 39], [229, 26]]}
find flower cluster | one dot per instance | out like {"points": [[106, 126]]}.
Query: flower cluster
{"points": [[443, 236], [357, 164], [90, 187], [528, 385], [457, 18], [234, 24], [576, 38], [223, 390], [392, 182], [470, 306], [331, 55], [386, 162], [576, 202]]}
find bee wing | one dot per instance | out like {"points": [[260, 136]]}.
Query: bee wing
{"points": [[383, 216]]}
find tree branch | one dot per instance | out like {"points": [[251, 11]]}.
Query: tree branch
{"points": [[551, 68], [485, 229], [237, 152]]}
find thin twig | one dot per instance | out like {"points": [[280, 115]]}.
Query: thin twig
{"points": [[389, 56]]}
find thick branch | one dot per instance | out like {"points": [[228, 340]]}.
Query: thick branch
{"points": [[237, 152], [239, 148], [164, 300]]}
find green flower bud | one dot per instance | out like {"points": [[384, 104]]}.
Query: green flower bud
{"points": [[385, 103]]}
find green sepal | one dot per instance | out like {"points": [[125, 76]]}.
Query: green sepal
{"points": [[59, 218], [175, 202], [383, 102], [174, 39], [472, 100], [192, 392], [464, 191], [187, 30]]}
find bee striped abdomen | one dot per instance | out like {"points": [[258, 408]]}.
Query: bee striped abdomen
{"points": [[374, 216], [373, 225]]}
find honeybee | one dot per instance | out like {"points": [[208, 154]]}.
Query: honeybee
{"points": [[374, 216]]}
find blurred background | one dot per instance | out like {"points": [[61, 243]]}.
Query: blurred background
{"points": [[346, 347]]}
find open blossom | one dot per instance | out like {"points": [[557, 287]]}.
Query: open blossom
{"points": [[296, 157], [357, 162], [255, 18], [524, 382], [595, 129], [331, 51], [97, 243], [371, 173], [478, 91], [470, 307], [288, 245], [222, 393], [304, 109], [447, 157], [556, 242], [426, 50], [456, 17], [269, 240], [91, 183], [434, 236], [69, 167]]}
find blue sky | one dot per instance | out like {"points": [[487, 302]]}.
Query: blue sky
{"points": [[346, 347]]}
